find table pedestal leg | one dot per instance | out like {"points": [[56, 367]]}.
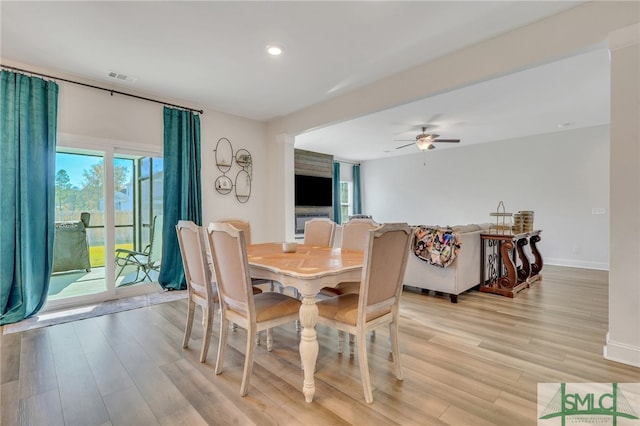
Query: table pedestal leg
{"points": [[309, 344]]}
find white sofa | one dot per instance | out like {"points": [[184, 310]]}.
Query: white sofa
{"points": [[460, 276]]}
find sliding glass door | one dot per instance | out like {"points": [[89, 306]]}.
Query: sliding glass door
{"points": [[79, 242], [138, 210], [107, 201]]}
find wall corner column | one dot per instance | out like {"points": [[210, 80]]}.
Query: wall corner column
{"points": [[623, 337], [281, 199]]}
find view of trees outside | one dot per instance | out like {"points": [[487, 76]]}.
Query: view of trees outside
{"points": [[79, 187], [88, 196]]}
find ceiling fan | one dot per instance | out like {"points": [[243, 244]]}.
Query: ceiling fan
{"points": [[426, 140]]}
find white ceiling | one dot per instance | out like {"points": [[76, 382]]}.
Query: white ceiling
{"points": [[567, 94], [212, 54]]}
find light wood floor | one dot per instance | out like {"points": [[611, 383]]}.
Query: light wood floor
{"points": [[474, 363]]}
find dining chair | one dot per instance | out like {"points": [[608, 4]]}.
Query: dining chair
{"points": [[240, 224], [319, 231], [201, 290], [246, 227], [377, 303], [354, 237], [355, 234], [238, 305]]}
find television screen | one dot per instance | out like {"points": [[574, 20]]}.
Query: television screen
{"points": [[313, 191]]}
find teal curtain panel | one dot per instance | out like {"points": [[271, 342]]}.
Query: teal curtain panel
{"points": [[28, 123], [337, 211], [357, 192], [182, 189]]}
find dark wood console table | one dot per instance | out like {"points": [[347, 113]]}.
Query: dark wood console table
{"points": [[505, 268]]}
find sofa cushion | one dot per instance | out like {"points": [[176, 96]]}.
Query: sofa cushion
{"points": [[461, 229]]}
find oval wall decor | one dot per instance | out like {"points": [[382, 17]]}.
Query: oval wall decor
{"points": [[224, 155], [243, 186]]}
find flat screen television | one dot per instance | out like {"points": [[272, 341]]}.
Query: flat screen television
{"points": [[313, 191]]}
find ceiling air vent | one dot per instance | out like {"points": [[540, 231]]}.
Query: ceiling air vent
{"points": [[121, 77]]}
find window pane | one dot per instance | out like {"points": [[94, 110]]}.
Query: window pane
{"points": [[79, 236], [345, 200], [124, 202]]}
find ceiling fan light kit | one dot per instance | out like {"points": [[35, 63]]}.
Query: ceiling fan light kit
{"points": [[424, 141]]}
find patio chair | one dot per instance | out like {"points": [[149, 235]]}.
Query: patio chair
{"points": [[145, 261]]}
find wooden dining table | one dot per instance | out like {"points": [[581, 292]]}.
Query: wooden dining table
{"points": [[308, 270]]}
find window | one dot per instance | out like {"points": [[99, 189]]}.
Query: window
{"points": [[346, 200]]}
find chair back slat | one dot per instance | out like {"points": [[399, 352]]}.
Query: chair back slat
{"points": [[243, 225], [384, 265], [228, 250], [319, 232], [355, 233], [194, 259]]}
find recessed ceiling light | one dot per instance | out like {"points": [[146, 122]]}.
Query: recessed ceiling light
{"points": [[274, 50]]}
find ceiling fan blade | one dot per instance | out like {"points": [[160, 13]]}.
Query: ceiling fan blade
{"points": [[447, 140], [434, 117], [404, 146]]}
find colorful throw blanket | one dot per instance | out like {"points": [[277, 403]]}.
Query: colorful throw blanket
{"points": [[437, 246]]}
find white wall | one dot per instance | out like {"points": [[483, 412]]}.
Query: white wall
{"points": [[623, 338], [86, 114], [242, 133], [560, 176]]}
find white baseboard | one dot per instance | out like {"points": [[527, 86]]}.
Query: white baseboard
{"points": [[603, 266], [622, 352]]}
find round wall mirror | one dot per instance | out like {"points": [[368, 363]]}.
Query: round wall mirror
{"points": [[223, 184], [243, 158]]}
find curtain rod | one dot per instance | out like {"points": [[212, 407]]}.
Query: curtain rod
{"points": [[102, 88], [348, 162]]}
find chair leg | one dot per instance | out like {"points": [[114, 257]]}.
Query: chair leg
{"points": [[340, 341], [269, 339], [146, 271], [222, 343], [363, 362], [351, 345], [208, 314], [121, 269], [191, 307], [395, 349], [248, 362]]}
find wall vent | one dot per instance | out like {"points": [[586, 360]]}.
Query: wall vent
{"points": [[121, 77]]}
